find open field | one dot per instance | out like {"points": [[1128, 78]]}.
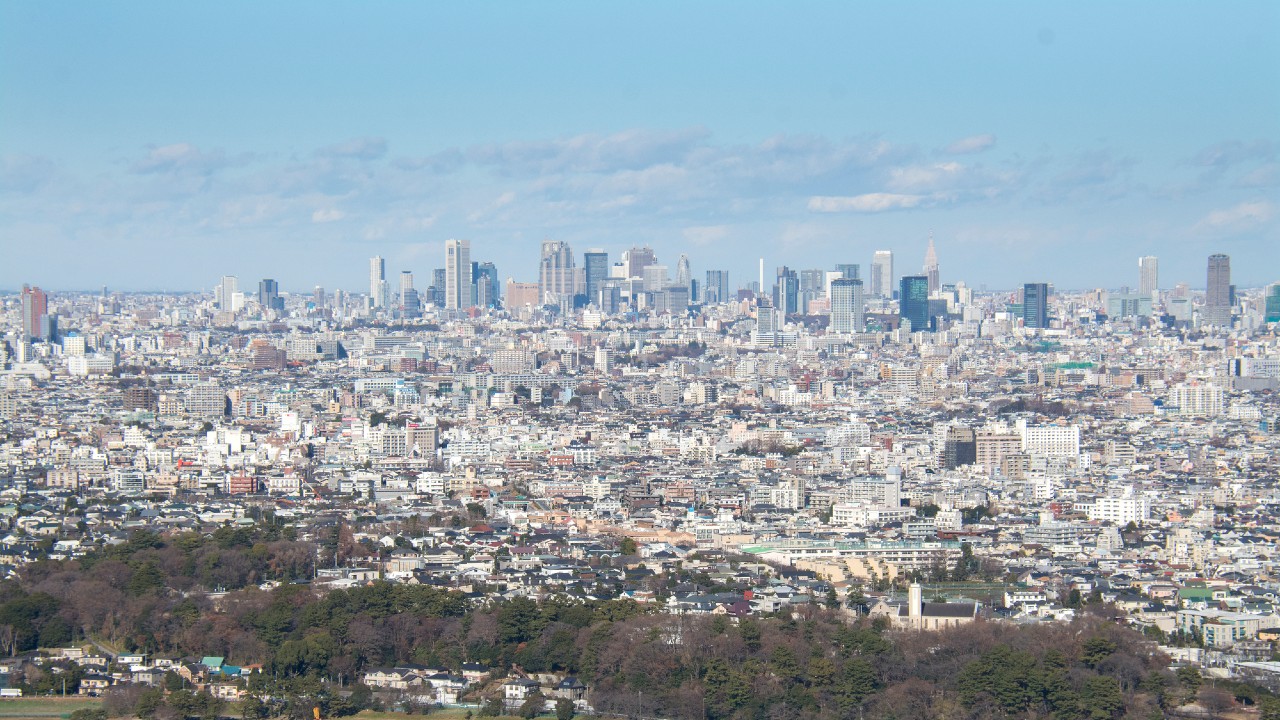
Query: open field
{"points": [[45, 707]]}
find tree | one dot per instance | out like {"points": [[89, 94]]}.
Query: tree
{"points": [[833, 600], [564, 709], [532, 706], [1101, 698], [627, 546]]}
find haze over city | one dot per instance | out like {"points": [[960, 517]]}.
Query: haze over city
{"points": [[163, 145]]}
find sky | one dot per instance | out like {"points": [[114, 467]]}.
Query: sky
{"points": [[160, 145]]}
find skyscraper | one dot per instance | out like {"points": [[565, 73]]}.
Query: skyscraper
{"points": [[406, 285], [377, 282], [226, 293], [637, 259], [931, 267], [786, 291], [882, 274], [1217, 296], [457, 274], [485, 277], [846, 306], [913, 302], [35, 308], [851, 271], [1271, 304], [1035, 305], [557, 278], [684, 275], [717, 288], [269, 295], [1148, 276], [595, 267]]}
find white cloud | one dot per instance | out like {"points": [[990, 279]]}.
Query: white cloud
{"points": [[182, 157], [324, 215], [703, 235], [918, 178], [1245, 216], [867, 203], [365, 148], [971, 144]]}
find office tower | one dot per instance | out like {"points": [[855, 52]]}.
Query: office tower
{"points": [[521, 294], [813, 286], [1148, 276], [846, 306], [786, 291], [684, 276], [318, 297], [655, 277], [931, 267], [377, 282], [717, 287], [457, 274], [406, 285], [225, 293], [269, 295], [637, 259], [851, 271], [1035, 305], [766, 317], [610, 295], [485, 277], [436, 296], [1217, 297], [557, 275], [882, 274], [595, 269], [35, 308], [913, 302], [1271, 304]]}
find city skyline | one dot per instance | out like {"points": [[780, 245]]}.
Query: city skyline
{"points": [[145, 156]]}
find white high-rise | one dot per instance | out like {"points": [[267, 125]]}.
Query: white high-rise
{"points": [[882, 274], [226, 293], [1148, 276], [846, 306], [457, 274], [931, 267], [377, 282]]}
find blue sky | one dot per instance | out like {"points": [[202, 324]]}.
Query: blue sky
{"points": [[161, 145]]}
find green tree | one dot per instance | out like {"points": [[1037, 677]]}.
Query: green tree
{"points": [[833, 600], [1095, 650], [564, 709], [532, 706], [857, 681], [1101, 698], [750, 631], [628, 546]]}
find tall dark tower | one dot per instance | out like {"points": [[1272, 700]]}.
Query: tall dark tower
{"points": [[1035, 305], [913, 301], [595, 264], [1217, 297]]}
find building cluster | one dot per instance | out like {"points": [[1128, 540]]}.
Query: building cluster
{"points": [[1065, 447]]}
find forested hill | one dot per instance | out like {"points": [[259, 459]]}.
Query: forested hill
{"points": [[144, 595]]}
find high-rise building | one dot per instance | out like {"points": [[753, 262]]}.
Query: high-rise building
{"points": [[406, 286], [1148, 276], [595, 269], [1272, 304], [717, 287], [557, 277], [636, 259], [1035, 305], [225, 293], [851, 271], [457, 274], [269, 295], [882, 274], [655, 278], [931, 267], [377, 282], [913, 302], [846, 306], [684, 276], [484, 276], [1217, 297], [786, 291], [35, 310]]}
